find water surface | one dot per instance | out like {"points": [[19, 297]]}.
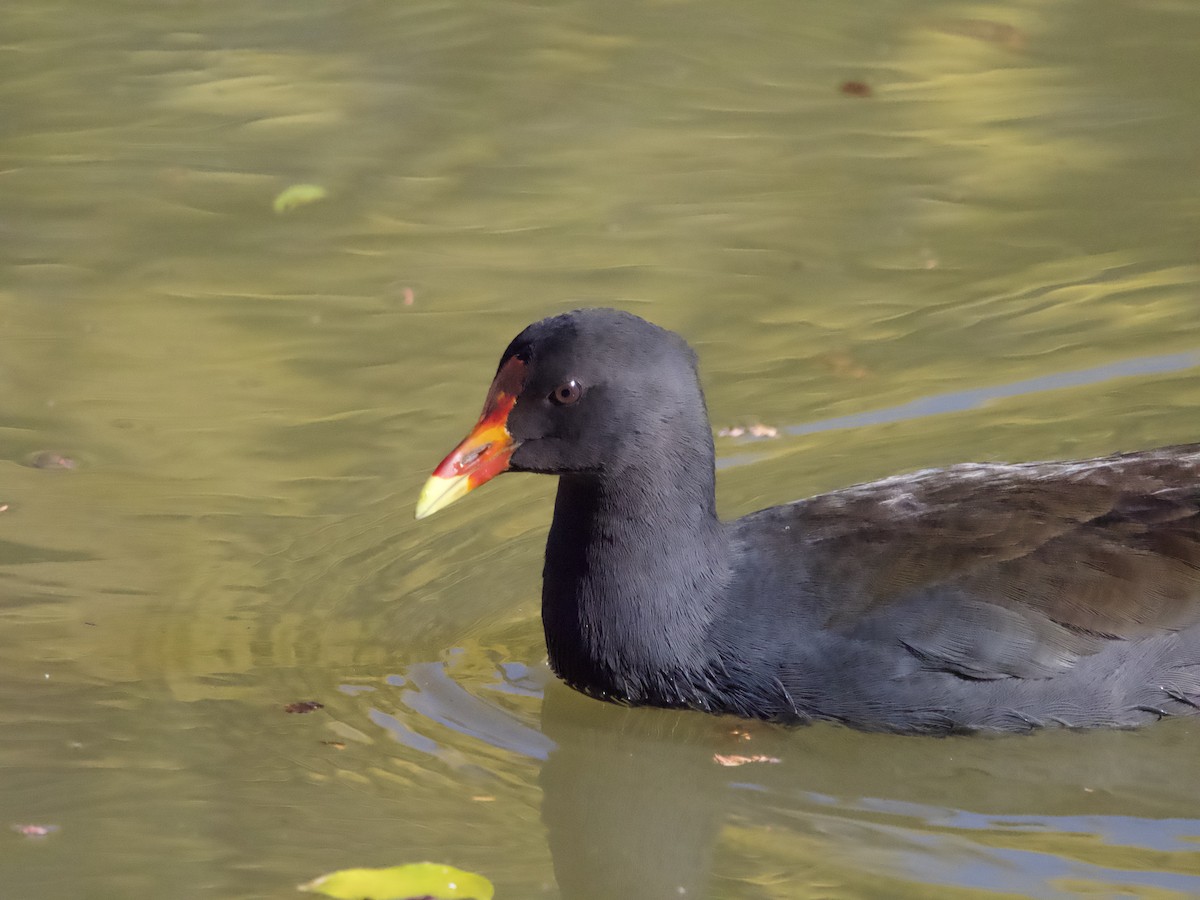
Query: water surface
{"points": [[986, 247]]}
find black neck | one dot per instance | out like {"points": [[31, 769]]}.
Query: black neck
{"points": [[636, 563]]}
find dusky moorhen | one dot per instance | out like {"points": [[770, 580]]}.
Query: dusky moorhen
{"points": [[974, 597]]}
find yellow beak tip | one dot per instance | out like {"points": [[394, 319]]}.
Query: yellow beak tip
{"points": [[439, 493]]}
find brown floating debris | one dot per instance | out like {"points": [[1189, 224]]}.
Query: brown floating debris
{"points": [[303, 706], [856, 88], [739, 760], [757, 430]]}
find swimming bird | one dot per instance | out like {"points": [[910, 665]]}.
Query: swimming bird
{"points": [[973, 597]]}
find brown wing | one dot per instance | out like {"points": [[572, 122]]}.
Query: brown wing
{"points": [[999, 570]]}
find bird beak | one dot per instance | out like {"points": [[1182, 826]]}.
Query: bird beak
{"points": [[484, 453]]}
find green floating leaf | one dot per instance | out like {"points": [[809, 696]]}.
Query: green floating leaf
{"points": [[298, 195], [417, 881]]}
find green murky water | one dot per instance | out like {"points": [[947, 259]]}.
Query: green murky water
{"points": [[993, 254]]}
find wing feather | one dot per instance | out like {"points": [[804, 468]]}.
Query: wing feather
{"points": [[996, 571]]}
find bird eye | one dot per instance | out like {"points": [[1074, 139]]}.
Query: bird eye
{"points": [[566, 393]]}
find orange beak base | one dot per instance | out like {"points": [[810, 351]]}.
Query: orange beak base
{"points": [[484, 453]]}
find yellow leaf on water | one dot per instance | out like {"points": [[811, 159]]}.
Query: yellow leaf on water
{"points": [[298, 195], [417, 880]]}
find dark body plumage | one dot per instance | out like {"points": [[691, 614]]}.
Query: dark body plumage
{"points": [[1001, 597]]}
